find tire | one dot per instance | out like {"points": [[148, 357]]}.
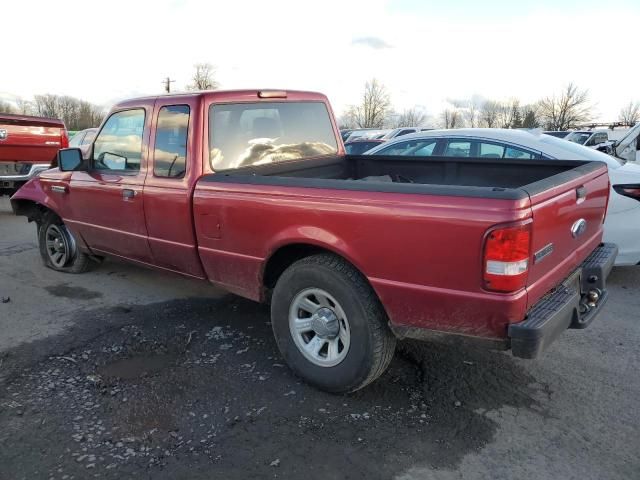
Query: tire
{"points": [[354, 353], [58, 247]]}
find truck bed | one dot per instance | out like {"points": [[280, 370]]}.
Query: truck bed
{"points": [[475, 177], [418, 238]]}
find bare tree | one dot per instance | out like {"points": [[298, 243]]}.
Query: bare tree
{"points": [[451, 118], [373, 110], [566, 110], [46, 105], [25, 107], [489, 112], [630, 114], [411, 117], [203, 77], [6, 107], [76, 114], [509, 114], [531, 119]]}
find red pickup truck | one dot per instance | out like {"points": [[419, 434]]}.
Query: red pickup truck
{"points": [[28, 146], [251, 190]]}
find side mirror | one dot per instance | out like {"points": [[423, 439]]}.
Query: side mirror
{"points": [[70, 159]]}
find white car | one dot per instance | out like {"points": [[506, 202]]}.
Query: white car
{"points": [[622, 225]]}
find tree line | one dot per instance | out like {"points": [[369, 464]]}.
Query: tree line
{"points": [[75, 113], [568, 108]]}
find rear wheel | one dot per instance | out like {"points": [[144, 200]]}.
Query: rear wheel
{"points": [[329, 325], [58, 247]]}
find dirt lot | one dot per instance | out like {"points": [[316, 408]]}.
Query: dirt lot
{"points": [[124, 373]]}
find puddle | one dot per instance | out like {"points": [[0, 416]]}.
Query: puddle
{"points": [[135, 367], [76, 293]]}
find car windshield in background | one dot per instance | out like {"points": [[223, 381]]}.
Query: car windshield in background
{"points": [[248, 134], [578, 137]]}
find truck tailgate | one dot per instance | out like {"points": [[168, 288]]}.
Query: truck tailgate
{"points": [[27, 143], [567, 226]]}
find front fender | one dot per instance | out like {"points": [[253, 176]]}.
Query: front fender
{"points": [[35, 192]]}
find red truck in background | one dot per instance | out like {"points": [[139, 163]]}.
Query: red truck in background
{"points": [[28, 146], [252, 191]]}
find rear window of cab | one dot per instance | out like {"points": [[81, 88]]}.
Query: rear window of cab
{"points": [[246, 134]]}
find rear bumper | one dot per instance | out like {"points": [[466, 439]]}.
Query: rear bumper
{"points": [[567, 306], [25, 174]]}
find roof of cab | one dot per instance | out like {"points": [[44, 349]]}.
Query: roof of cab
{"points": [[221, 96]]}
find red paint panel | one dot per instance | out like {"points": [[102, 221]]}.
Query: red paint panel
{"points": [[27, 143], [554, 213], [422, 253]]}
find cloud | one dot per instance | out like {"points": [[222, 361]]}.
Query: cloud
{"points": [[372, 42]]}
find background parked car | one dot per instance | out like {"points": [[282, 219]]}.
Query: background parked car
{"points": [[358, 147], [627, 147], [366, 133], [28, 146], [398, 132], [557, 133], [588, 138], [622, 224], [83, 137]]}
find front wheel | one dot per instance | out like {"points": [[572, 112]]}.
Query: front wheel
{"points": [[329, 324], [58, 247]]}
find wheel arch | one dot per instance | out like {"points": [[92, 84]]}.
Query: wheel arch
{"points": [[34, 211], [287, 254]]}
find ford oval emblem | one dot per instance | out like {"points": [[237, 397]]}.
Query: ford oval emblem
{"points": [[578, 228], [3, 134]]}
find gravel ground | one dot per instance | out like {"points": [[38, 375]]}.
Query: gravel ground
{"points": [[124, 373]]}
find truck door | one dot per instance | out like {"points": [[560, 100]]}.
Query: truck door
{"points": [[174, 167], [106, 202]]}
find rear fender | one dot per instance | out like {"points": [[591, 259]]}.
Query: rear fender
{"points": [[317, 237]]}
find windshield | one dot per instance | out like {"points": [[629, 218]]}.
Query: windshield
{"points": [[245, 134], [581, 152], [578, 137]]}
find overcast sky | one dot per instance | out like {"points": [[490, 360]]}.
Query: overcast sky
{"points": [[424, 52]]}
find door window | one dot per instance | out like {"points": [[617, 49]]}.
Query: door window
{"points": [[170, 152], [512, 152], [491, 150], [458, 148], [119, 144], [494, 150]]}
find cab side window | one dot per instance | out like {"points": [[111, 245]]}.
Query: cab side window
{"points": [[119, 145], [170, 153]]}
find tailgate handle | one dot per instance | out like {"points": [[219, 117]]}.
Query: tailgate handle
{"points": [[581, 194]]}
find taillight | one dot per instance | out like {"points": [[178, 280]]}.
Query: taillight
{"points": [[506, 257], [64, 139], [631, 191]]}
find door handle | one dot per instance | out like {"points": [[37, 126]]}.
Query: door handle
{"points": [[128, 193], [58, 189]]}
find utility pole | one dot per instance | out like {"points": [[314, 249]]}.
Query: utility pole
{"points": [[167, 84]]}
